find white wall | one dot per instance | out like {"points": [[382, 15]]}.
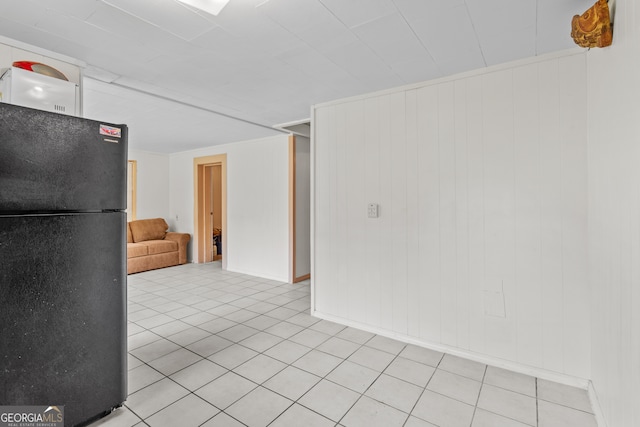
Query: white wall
{"points": [[152, 195], [614, 217], [257, 203], [481, 243]]}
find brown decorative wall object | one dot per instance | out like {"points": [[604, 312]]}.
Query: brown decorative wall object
{"points": [[593, 28]]}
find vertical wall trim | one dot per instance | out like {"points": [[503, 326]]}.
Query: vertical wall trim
{"points": [[292, 208], [595, 405]]}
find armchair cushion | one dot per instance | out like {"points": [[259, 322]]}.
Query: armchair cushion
{"points": [[148, 229]]}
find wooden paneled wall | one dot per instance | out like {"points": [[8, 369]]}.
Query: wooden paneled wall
{"points": [[481, 241]]}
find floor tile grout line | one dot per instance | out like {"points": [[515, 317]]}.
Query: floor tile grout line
{"points": [[188, 286], [228, 370], [377, 377], [565, 406], [164, 407], [423, 390], [316, 348], [232, 417], [238, 344], [475, 407], [326, 379], [281, 413]]}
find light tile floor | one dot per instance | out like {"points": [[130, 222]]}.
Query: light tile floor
{"points": [[217, 349]]}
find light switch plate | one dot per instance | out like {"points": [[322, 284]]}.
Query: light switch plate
{"points": [[372, 210]]}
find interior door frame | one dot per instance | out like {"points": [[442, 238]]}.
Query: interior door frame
{"points": [[292, 212], [200, 216]]}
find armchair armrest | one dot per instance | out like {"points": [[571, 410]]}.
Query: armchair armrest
{"points": [[182, 239]]}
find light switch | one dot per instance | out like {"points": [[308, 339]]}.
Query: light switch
{"points": [[372, 210]]}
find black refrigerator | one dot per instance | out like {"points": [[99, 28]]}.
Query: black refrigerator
{"points": [[62, 263]]}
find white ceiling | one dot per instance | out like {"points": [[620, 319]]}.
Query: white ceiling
{"points": [[267, 61]]}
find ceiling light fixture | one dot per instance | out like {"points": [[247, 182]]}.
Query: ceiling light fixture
{"points": [[209, 6]]}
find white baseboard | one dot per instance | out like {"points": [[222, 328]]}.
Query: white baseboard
{"points": [[595, 405], [477, 357]]}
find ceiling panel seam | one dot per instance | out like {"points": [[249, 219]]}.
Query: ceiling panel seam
{"points": [[473, 25], [198, 107], [426, 49]]}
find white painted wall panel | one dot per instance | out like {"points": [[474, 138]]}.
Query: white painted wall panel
{"points": [[342, 254], [482, 186], [414, 306], [385, 221], [447, 205], [429, 229], [497, 96], [258, 208], [376, 249], [462, 214], [152, 197], [356, 208], [475, 166], [573, 134], [528, 197], [257, 203], [398, 211], [614, 217], [551, 217], [324, 246]]}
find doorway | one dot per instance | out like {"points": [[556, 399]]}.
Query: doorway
{"points": [[213, 208], [300, 207], [210, 208]]}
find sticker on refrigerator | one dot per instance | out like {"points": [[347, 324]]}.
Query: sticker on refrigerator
{"points": [[110, 131]]}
